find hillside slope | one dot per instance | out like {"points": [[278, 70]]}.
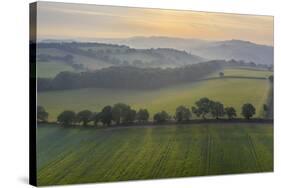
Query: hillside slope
{"points": [[229, 49], [230, 91], [94, 56]]}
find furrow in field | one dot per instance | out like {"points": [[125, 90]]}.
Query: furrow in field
{"points": [[196, 161], [159, 165], [126, 155], [133, 169], [253, 151], [186, 149], [263, 150], [157, 152], [209, 147], [77, 157], [102, 165], [92, 155]]}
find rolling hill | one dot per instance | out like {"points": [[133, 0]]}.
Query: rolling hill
{"points": [[230, 91], [237, 49], [229, 49], [93, 56]]}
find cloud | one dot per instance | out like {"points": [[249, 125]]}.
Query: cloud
{"points": [[86, 21]]}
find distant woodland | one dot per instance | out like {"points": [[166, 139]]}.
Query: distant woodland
{"points": [[129, 77]]}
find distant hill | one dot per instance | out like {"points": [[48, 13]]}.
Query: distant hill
{"points": [[237, 49], [92, 56], [156, 42], [230, 49]]}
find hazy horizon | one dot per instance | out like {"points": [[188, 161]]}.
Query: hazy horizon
{"points": [[67, 21], [89, 39]]}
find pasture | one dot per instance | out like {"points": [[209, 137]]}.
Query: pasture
{"points": [[245, 72], [44, 67], [231, 92], [51, 69], [84, 155]]}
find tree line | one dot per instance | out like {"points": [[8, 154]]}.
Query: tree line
{"points": [[123, 114], [128, 77], [107, 53]]}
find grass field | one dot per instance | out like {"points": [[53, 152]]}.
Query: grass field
{"points": [[87, 62], [84, 155], [242, 72], [231, 92], [51, 69]]}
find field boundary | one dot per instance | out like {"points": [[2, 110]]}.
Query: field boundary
{"points": [[170, 123], [233, 77]]}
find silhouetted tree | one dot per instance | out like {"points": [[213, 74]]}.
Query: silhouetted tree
{"points": [[119, 112], [96, 118], [130, 116], [42, 115], [182, 114], [230, 112], [203, 107], [142, 115], [248, 110], [161, 117], [66, 118], [106, 115], [217, 109], [84, 116]]}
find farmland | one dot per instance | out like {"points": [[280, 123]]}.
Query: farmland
{"points": [[231, 92], [243, 72], [51, 69], [71, 155], [98, 56]]}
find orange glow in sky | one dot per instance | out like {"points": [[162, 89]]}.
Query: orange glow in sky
{"points": [[74, 21]]}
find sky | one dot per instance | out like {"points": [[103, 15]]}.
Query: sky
{"points": [[84, 21]]}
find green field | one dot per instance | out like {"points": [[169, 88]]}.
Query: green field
{"points": [[84, 155], [231, 92], [51, 69], [242, 72]]}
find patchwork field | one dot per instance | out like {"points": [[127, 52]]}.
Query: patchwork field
{"points": [[231, 92], [98, 155]]}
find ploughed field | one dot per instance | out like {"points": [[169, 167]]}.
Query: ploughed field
{"points": [[82, 155], [230, 91]]}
